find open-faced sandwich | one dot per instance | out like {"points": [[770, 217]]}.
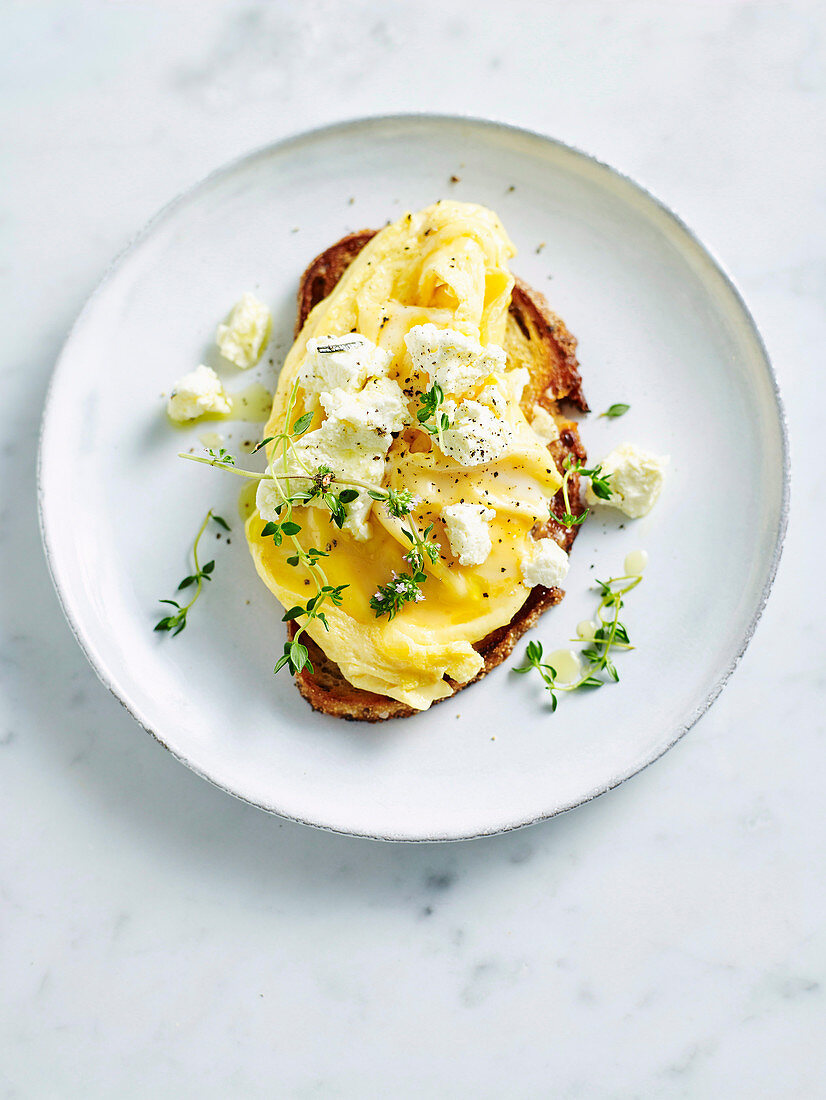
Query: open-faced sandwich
{"points": [[413, 521]]}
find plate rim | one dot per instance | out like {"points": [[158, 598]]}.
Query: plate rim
{"points": [[296, 138]]}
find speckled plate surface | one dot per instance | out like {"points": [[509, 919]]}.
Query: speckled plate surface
{"points": [[660, 326]]}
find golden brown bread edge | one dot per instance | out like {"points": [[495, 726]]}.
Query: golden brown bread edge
{"points": [[540, 339]]}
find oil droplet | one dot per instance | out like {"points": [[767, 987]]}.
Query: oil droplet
{"points": [[567, 666], [635, 563], [252, 405], [211, 439], [586, 630], [246, 500]]}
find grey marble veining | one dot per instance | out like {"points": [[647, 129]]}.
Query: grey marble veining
{"points": [[157, 937]]}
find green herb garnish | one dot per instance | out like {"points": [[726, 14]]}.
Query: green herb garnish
{"points": [[404, 588], [221, 457], [615, 410], [431, 414], [175, 623], [609, 635], [599, 483], [334, 493]]}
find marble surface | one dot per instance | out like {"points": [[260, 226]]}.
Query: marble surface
{"points": [[158, 938]]}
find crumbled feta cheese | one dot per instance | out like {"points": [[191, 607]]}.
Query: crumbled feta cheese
{"points": [[544, 425], [493, 397], [363, 406], [467, 532], [352, 453], [341, 363], [243, 338], [636, 478], [506, 388], [452, 361], [381, 404], [269, 498], [475, 435], [545, 564], [197, 393]]}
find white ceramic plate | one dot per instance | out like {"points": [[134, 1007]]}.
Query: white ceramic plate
{"points": [[660, 326]]}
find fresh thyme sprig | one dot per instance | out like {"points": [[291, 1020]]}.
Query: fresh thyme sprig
{"points": [[334, 493], [317, 484], [430, 414], [175, 622], [404, 588], [321, 484], [422, 548], [399, 502], [613, 411], [609, 635], [599, 483]]}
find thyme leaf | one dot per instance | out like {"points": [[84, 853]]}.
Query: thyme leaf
{"points": [[600, 483]]}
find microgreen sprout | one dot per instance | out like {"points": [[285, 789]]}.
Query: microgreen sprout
{"points": [[175, 622], [609, 635], [613, 411]]}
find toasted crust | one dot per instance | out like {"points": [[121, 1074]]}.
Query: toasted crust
{"points": [[559, 371], [326, 270], [542, 341]]}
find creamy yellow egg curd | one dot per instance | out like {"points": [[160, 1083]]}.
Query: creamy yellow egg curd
{"points": [[398, 389]]}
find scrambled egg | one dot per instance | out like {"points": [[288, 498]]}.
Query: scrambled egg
{"points": [[446, 266]]}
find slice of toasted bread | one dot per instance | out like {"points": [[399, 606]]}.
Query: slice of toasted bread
{"points": [[536, 338]]}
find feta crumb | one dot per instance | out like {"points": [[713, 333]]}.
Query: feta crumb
{"points": [[468, 533], [243, 338], [380, 405], [636, 480], [451, 360], [507, 388], [544, 424], [341, 363], [476, 435], [545, 564], [197, 393], [352, 453], [494, 398]]}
